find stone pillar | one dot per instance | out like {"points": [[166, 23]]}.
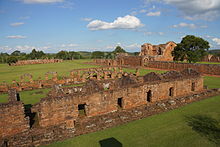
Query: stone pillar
{"points": [[98, 76], [13, 95], [137, 72], [83, 78], [120, 70], [119, 75], [105, 75], [46, 77], [55, 77]]}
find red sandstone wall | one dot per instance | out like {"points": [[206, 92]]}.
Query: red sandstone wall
{"points": [[39, 61], [12, 119], [54, 111], [212, 69]]}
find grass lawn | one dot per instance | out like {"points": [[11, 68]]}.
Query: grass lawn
{"points": [[209, 62], [165, 129], [9, 73], [28, 97]]}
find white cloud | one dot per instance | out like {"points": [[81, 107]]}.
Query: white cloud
{"points": [[126, 22], [197, 9], [216, 40], [133, 46], [188, 25], [69, 45], [153, 33], [154, 13], [16, 24], [41, 1], [16, 37], [86, 19]]}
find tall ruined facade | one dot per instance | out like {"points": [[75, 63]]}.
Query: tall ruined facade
{"points": [[161, 52]]}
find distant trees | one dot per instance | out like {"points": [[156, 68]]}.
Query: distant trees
{"points": [[119, 49], [68, 55], [12, 59], [35, 54], [191, 48], [97, 55]]}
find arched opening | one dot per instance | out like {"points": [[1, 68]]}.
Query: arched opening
{"points": [[149, 96], [159, 51]]}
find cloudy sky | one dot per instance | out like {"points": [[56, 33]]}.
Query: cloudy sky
{"points": [[79, 25]]}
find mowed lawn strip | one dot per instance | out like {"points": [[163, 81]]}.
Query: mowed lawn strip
{"points": [[165, 129], [10, 73]]}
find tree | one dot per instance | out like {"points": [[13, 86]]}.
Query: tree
{"points": [[63, 55], [36, 54], [119, 49], [97, 55], [16, 53], [191, 48], [12, 59]]}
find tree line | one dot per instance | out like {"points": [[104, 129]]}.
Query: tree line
{"points": [[65, 55], [190, 49]]}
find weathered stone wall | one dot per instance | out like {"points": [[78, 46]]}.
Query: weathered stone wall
{"points": [[39, 61], [161, 52], [83, 125], [212, 69], [12, 119], [131, 61], [76, 76], [105, 103], [97, 100]]}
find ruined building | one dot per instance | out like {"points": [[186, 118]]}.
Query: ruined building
{"points": [[71, 111], [161, 52], [38, 61]]}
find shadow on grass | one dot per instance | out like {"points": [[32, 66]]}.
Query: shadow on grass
{"points": [[110, 142], [206, 126]]}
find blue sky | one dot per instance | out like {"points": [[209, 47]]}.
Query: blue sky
{"points": [[79, 25]]}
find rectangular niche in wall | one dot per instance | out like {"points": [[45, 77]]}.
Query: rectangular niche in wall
{"points": [[149, 96], [119, 102], [193, 86], [82, 109], [171, 91]]}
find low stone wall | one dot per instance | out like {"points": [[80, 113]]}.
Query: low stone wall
{"points": [[211, 69], [46, 135], [39, 61]]}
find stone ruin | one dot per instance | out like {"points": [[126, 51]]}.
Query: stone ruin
{"points": [[211, 58], [161, 52], [38, 61], [77, 76], [71, 111]]}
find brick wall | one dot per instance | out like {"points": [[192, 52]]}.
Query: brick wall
{"points": [[12, 119], [212, 69]]}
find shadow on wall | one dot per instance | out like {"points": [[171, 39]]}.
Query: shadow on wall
{"points": [[110, 142], [206, 126]]}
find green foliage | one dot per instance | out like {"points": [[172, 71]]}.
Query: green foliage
{"points": [[68, 55], [35, 54], [119, 49], [12, 59], [191, 48], [97, 55]]}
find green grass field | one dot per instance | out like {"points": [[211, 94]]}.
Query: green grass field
{"points": [[169, 129], [10, 73]]}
